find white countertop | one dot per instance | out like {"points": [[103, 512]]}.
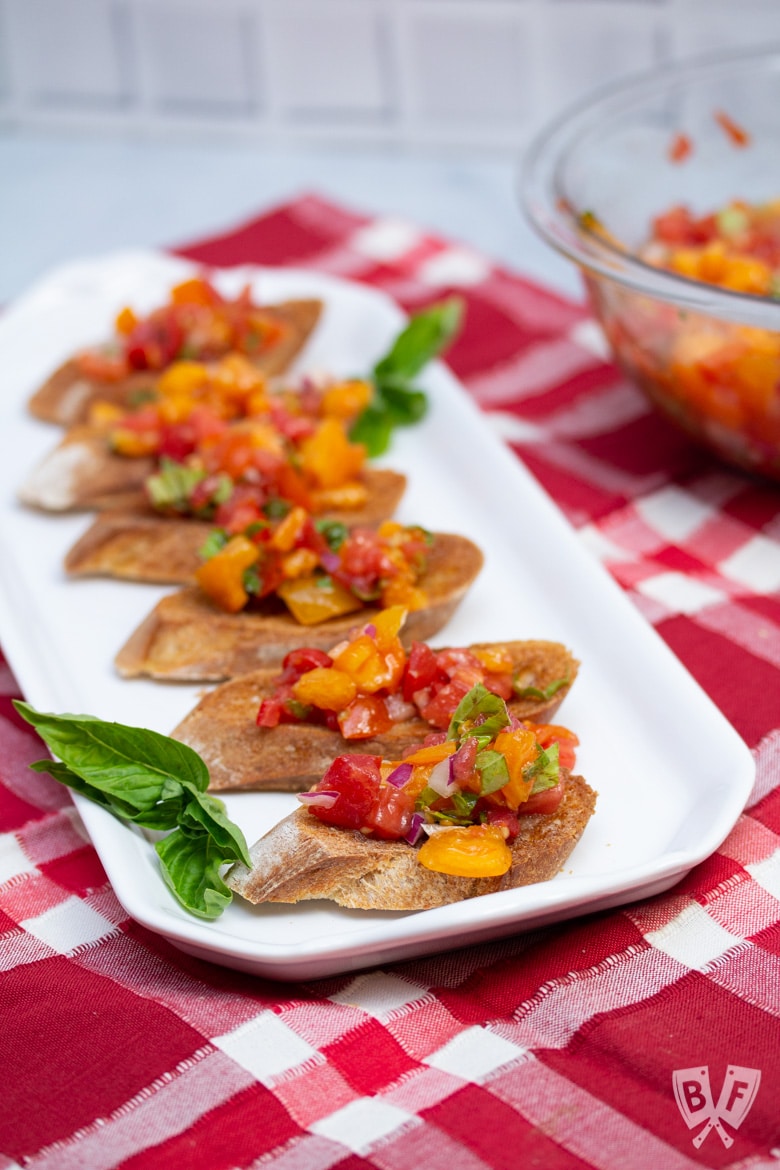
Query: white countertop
{"points": [[66, 197]]}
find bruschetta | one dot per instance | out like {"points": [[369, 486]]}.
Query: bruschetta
{"points": [[266, 730], [138, 544], [189, 636], [196, 323], [481, 808]]}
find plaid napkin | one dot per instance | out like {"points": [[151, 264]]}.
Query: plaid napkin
{"points": [[591, 1044]]}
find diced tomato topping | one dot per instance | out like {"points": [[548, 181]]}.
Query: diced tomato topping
{"points": [[549, 733], [154, 343], [356, 779], [439, 710], [297, 662], [546, 801], [421, 668], [270, 713], [365, 717], [392, 813], [504, 818]]}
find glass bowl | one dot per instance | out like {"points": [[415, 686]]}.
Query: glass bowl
{"points": [[593, 181]]}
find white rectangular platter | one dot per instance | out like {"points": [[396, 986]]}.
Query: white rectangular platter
{"points": [[671, 773]]}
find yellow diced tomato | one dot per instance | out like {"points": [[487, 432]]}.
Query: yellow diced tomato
{"points": [[475, 851], [328, 456], [387, 623], [221, 577], [288, 530], [400, 591], [348, 497], [103, 414], [182, 379], [325, 687], [433, 754], [495, 659], [301, 562], [346, 399], [312, 600], [371, 668], [195, 291], [126, 321], [134, 444], [518, 747]]}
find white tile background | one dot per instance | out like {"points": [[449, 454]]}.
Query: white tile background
{"points": [[478, 73]]}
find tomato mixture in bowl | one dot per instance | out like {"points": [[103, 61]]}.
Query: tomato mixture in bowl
{"points": [[665, 190]]}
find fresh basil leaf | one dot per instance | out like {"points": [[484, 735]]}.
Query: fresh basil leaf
{"points": [[479, 712], [463, 802], [493, 770], [427, 797], [426, 335], [208, 812], [403, 404], [132, 763], [276, 508], [190, 864], [373, 429], [153, 781]]}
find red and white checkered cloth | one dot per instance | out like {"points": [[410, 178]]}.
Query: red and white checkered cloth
{"points": [[554, 1049]]}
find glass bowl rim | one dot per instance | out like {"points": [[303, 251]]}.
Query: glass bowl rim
{"points": [[557, 223]]}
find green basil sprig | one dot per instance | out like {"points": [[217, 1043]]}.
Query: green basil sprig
{"points": [[396, 401], [153, 781]]}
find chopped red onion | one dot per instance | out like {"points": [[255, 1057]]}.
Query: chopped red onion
{"points": [[398, 709], [370, 630], [440, 779], [330, 561], [400, 775], [318, 799], [414, 832]]}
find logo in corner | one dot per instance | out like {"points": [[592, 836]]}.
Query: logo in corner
{"points": [[694, 1100]]}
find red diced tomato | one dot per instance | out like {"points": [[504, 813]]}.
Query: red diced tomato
{"points": [[420, 670], [504, 818], [392, 813], [154, 343], [546, 801], [299, 661], [356, 779], [441, 707], [270, 713], [366, 716]]}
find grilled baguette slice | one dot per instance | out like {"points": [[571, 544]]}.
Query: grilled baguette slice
{"points": [[82, 474], [292, 756], [301, 858], [186, 637], [66, 397]]}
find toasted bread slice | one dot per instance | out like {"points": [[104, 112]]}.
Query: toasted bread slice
{"points": [[292, 756], [185, 637], [82, 474], [66, 397], [301, 858], [138, 544]]}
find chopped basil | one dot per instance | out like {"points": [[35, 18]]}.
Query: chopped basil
{"points": [[276, 508], [253, 580], [480, 712], [141, 396], [154, 782], [334, 532], [493, 770], [323, 581], [214, 543], [535, 692], [298, 709], [545, 769], [170, 487]]}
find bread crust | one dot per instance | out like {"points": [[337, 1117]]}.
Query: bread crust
{"points": [[138, 544], [186, 637], [66, 396], [291, 757], [302, 859]]}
